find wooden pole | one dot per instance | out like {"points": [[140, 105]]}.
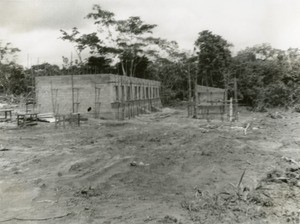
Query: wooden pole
{"points": [[235, 100], [33, 84], [123, 93], [95, 109], [230, 110], [52, 100], [226, 111], [196, 98], [64, 121], [190, 90], [56, 120], [72, 85]]}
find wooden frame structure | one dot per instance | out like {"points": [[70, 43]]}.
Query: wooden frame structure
{"points": [[72, 118], [26, 119], [209, 102], [7, 114]]}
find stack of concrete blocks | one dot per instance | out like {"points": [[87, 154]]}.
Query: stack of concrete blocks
{"points": [[104, 96]]}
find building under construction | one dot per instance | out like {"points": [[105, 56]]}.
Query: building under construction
{"points": [[103, 96], [211, 102]]}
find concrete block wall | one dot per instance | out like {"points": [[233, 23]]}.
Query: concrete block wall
{"points": [[135, 107], [54, 93], [88, 87], [207, 94]]}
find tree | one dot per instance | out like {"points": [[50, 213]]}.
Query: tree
{"points": [[293, 66], [128, 43], [7, 52], [45, 69], [100, 64], [267, 76], [12, 76], [214, 58], [173, 76]]}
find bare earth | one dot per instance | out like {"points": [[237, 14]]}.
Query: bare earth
{"points": [[158, 168]]}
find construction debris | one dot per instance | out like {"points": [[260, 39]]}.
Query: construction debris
{"points": [[3, 148], [46, 117], [134, 163], [246, 128], [275, 115], [291, 161]]}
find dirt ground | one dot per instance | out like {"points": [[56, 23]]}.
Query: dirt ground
{"points": [[157, 168]]}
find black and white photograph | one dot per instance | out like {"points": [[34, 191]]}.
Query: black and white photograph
{"points": [[149, 111]]}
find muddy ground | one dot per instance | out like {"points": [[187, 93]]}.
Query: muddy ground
{"points": [[158, 168]]}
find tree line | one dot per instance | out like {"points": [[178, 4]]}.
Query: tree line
{"points": [[267, 77]]}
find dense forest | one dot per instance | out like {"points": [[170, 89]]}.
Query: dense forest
{"points": [[267, 77]]}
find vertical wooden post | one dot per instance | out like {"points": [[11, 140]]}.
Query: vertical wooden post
{"points": [[230, 110], [226, 100], [236, 113], [207, 113], [78, 119], [72, 85], [196, 98], [95, 109], [222, 112], [119, 95], [190, 91], [64, 120], [52, 100], [131, 97], [55, 117], [122, 99]]}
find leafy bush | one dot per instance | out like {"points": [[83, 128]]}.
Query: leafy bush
{"points": [[274, 95]]}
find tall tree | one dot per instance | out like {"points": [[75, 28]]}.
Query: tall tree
{"points": [[126, 43], [214, 58], [100, 64]]}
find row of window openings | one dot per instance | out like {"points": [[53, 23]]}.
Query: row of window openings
{"points": [[138, 94]]}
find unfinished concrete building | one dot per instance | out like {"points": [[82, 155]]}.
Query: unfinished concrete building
{"points": [[211, 102], [103, 96]]}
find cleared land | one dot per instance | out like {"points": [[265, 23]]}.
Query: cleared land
{"points": [[158, 168]]}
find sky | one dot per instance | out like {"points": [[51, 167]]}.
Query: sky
{"points": [[34, 25]]}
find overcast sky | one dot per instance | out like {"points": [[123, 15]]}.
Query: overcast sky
{"points": [[33, 25]]}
